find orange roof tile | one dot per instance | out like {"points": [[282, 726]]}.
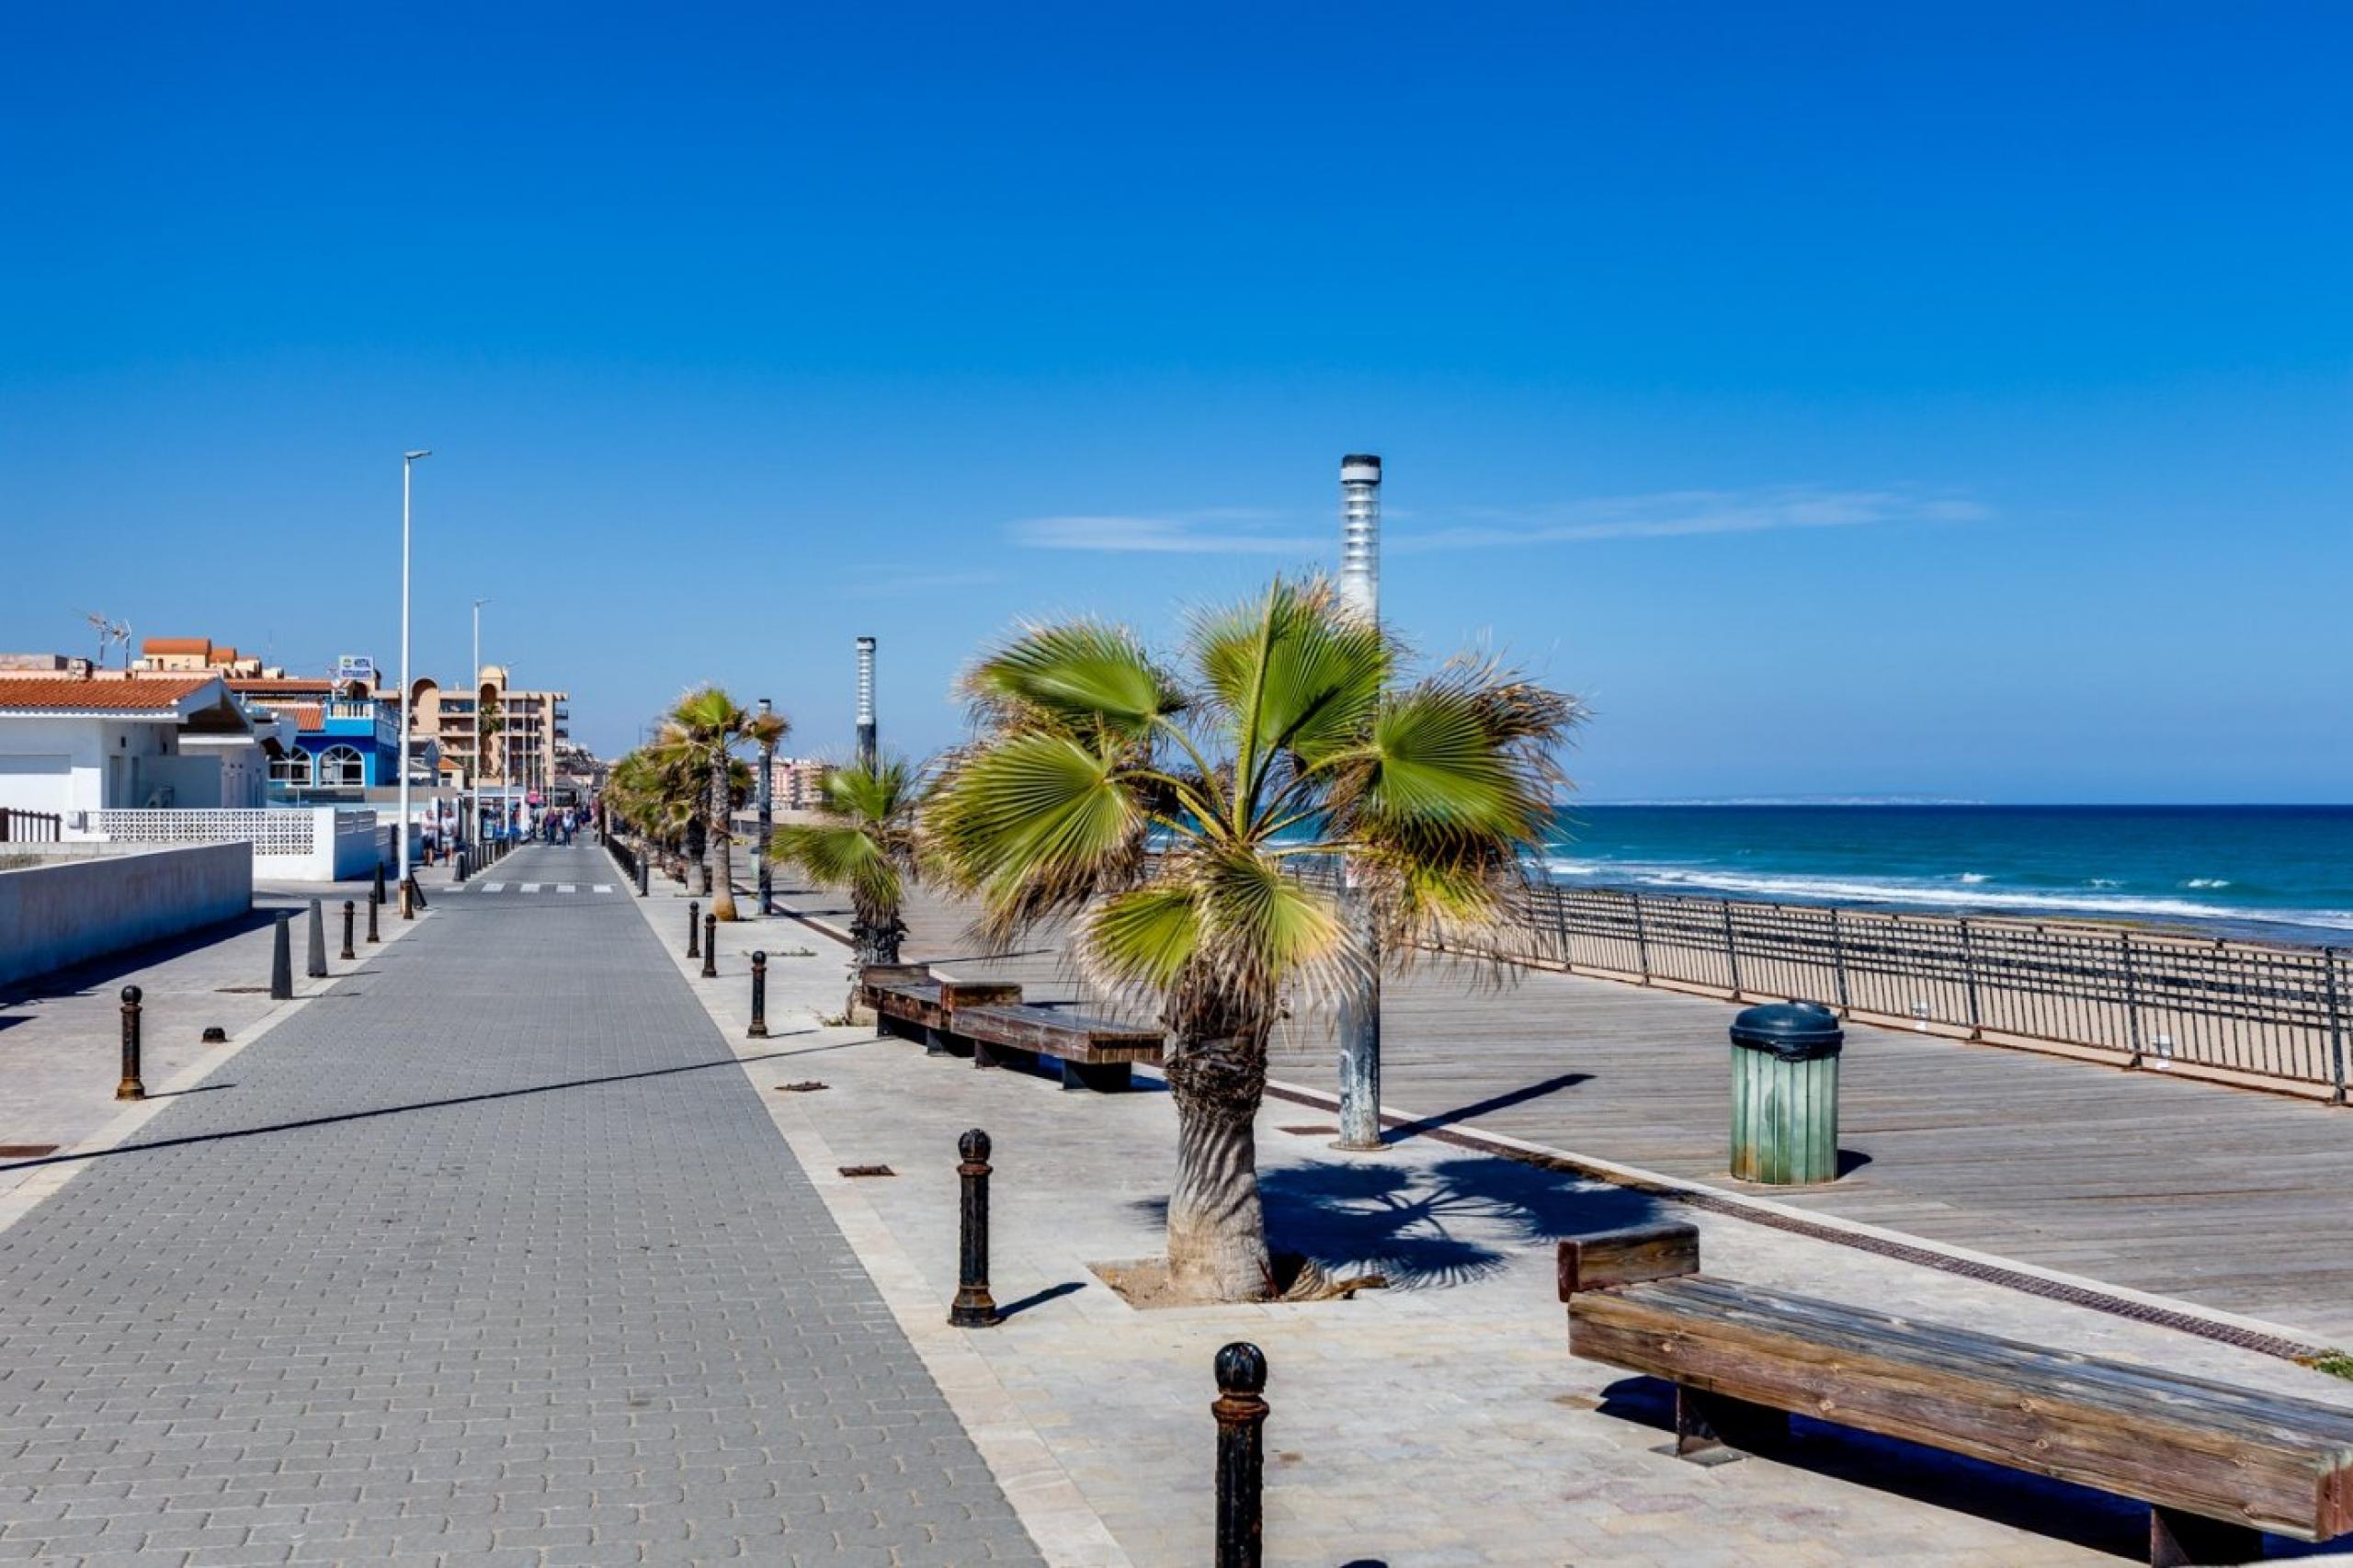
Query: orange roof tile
{"points": [[101, 695], [224, 655], [308, 716]]}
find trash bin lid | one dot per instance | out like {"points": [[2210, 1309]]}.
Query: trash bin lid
{"points": [[1794, 1031]]}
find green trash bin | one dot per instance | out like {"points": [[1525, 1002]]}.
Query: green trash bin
{"points": [[1785, 1094]]}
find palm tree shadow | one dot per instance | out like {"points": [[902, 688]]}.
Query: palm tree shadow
{"points": [[1454, 1222]]}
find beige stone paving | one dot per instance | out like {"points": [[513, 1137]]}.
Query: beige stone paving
{"points": [[1440, 1421]]}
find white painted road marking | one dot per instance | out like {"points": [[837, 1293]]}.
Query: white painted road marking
{"points": [[493, 887], [530, 887], [603, 887], [566, 887]]}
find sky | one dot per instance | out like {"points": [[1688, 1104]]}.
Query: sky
{"points": [[1938, 400]]}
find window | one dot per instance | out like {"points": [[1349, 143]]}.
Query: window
{"points": [[342, 765], [294, 767]]}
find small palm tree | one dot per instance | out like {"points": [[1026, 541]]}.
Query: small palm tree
{"points": [[699, 738], [863, 843], [1288, 742]]}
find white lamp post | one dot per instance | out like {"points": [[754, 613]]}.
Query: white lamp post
{"points": [[408, 463], [473, 692]]}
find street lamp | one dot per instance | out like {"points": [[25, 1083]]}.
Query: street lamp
{"points": [[474, 690], [408, 463]]}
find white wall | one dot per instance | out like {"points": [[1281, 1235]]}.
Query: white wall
{"points": [[67, 911], [87, 745]]}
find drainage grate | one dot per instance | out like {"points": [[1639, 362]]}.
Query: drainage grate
{"points": [[1310, 1131], [26, 1150], [241, 990], [809, 1087], [867, 1171]]}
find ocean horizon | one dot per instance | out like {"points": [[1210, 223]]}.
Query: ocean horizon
{"points": [[2271, 872]]}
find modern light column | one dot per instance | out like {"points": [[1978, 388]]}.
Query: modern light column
{"points": [[408, 463], [866, 747], [1359, 1021]]}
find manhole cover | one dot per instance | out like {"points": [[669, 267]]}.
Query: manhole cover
{"points": [[867, 1171], [26, 1150]]}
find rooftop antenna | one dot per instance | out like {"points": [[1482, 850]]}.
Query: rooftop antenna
{"points": [[110, 631]]}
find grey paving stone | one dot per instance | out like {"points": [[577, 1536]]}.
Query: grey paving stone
{"points": [[494, 1255]]}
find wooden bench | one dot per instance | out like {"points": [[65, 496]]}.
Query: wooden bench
{"points": [[913, 1003], [1094, 1053], [2217, 1464]]}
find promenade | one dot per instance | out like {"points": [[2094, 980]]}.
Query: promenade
{"points": [[2218, 1196], [488, 1255]]}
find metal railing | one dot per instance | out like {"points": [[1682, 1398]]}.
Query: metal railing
{"points": [[31, 828], [2149, 999]]}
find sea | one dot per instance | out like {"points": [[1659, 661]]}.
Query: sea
{"points": [[2270, 873]]}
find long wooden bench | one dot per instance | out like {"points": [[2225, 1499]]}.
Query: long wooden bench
{"points": [[913, 1003], [2217, 1464], [1094, 1053]]}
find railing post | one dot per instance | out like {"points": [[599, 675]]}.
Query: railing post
{"points": [[2336, 1023], [759, 1029], [1969, 980], [131, 1088], [1838, 962], [2132, 999], [973, 1307], [1241, 1415], [693, 928], [347, 954], [1732, 948], [1641, 938], [710, 946], [1560, 924]]}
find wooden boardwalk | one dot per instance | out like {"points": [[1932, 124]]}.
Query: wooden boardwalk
{"points": [[2230, 1197]]}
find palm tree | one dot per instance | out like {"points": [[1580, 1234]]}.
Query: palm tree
{"points": [[1290, 743], [699, 737], [864, 843]]}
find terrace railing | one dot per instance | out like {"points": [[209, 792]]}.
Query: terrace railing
{"points": [[2251, 1012], [31, 828]]}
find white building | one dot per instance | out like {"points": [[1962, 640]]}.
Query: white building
{"points": [[72, 746]]}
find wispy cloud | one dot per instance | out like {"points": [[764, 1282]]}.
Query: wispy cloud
{"points": [[1224, 532], [1668, 514], [1683, 512]]}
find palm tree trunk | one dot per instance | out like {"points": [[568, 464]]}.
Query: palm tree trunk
{"points": [[875, 933], [723, 902], [1217, 1231]]}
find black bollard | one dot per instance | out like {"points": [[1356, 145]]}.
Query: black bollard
{"points": [[348, 955], [282, 959], [694, 930], [408, 911], [372, 907], [413, 893], [131, 1088], [759, 1029], [460, 869], [314, 955], [641, 877], [378, 896], [1241, 1453], [974, 1307], [710, 946]]}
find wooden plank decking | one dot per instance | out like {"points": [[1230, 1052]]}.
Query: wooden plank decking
{"points": [[2231, 1197]]}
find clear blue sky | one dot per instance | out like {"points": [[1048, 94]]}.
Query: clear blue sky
{"points": [[1873, 398]]}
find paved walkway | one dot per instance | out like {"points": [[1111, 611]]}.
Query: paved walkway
{"points": [[489, 1256], [2219, 1195]]}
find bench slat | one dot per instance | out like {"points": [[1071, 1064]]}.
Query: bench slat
{"points": [[2271, 1461], [1050, 1031]]}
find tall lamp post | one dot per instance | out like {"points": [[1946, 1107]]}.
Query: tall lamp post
{"points": [[768, 814], [408, 463], [474, 690], [1360, 1024]]}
